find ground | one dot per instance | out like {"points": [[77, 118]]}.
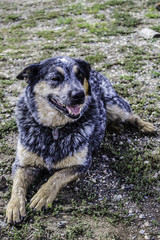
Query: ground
{"points": [[119, 196]]}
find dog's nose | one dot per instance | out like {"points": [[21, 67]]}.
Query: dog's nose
{"points": [[77, 96]]}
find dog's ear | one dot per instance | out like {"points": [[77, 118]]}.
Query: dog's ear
{"points": [[29, 72], [85, 66]]}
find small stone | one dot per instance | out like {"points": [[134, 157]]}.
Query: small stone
{"points": [[61, 224], [131, 214], [142, 232], [117, 198], [141, 216], [148, 33], [146, 237], [90, 203], [2, 182], [4, 75], [100, 199], [134, 237], [3, 224], [147, 224], [145, 197], [93, 180], [146, 162], [105, 171]]}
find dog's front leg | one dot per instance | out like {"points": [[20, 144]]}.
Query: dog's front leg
{"points": [[16, 207], [48, 192]]}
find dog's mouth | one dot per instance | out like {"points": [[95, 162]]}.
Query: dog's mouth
{"points": [[72, 111]]}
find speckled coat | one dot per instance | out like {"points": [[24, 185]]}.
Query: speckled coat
{"points": [[87, 130], [61, 117]]}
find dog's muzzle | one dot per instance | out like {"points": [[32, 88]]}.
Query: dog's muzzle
{"points": [[74, 106]]}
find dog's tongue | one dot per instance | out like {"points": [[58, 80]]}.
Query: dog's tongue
{"points": [[73, 109]]}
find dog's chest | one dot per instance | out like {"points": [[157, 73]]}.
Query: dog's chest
{"points": [[55, 144]]}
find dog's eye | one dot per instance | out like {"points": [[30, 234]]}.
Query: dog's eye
{"points": [[56, 79]]}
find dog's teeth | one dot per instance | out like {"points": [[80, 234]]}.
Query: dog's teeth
{"points": [[58, 103], [69, 111]]}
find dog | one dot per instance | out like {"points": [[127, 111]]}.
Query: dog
{"points": [[61, 117]]}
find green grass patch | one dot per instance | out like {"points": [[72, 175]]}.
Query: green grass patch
{"points": [[78, 229], [136, 166], [76, 9], [52, 15], [156, 28], [12, 18], [39, 15], [4, 148], [156, 74], [151, 2], [15, 35], [126, 84], [2, 95], [7, 127], [133, 63], [50, 48], [64, 20], [6, 82], [134, 57], [152, 13], [126, 19], [95, 58], [103, 29], [100, 16], [95, 8], [48, 34], [42, 15], [117, 2]]}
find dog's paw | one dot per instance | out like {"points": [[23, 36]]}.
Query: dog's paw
{"points": [[147, 127], [15, 211], [43, 198]]}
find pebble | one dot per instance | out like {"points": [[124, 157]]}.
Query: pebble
{"points": [[142, 232], [61, 224], [4, 75], [145, 197], [141, 216], [147, 224], [93, 180], [2, 182], [148, 33], [146, 237], [146, 162], [100, 199], [134, 237], [3, 224], [117, 198], [131, 214]]}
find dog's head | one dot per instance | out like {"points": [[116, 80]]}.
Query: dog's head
{"points": [[59, 87]]}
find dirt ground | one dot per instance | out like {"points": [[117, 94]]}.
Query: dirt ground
{"points": [[119, 197]]}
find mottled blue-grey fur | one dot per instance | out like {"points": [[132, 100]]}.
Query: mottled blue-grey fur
{"points": [[87, 130], [61, 117]]}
